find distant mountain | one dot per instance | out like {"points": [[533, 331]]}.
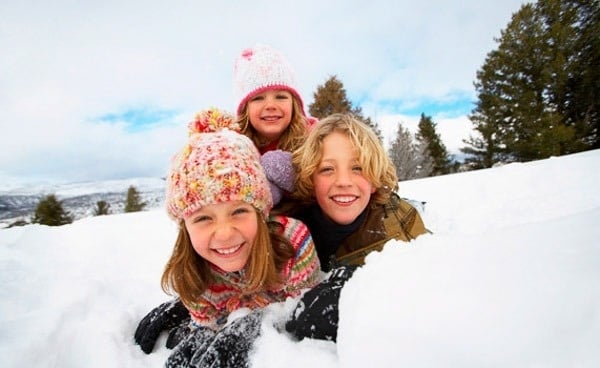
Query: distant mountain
{"points": [[79, 199]]}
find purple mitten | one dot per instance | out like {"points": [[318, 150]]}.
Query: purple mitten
{"points": [[276, 193], [280, 172]]}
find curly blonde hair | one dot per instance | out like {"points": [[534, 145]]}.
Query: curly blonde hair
{"points": [[377, 167]]}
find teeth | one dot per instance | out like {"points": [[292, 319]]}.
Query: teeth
{"points": [[344, 199], [227, 250]]}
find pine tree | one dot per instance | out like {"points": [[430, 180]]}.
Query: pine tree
{"points": [[539, 92], [49, 211], [102, 208], [331, 98], [405, 155], [433, 147], [133, 203]]}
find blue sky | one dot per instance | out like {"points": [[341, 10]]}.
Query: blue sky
{"points": [[104, 91]]}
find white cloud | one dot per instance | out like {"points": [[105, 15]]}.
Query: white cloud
{"points": [[68, 63]]}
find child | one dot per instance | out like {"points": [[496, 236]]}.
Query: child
{"points": [[270, 110], [349, 183], [230, 253]]}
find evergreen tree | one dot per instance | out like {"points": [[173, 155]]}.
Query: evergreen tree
{"points": [[102, 208], [404, 154], [133, 203], [583, 88], [331, 98], [538, 92], [433, 147], [49, 211]]}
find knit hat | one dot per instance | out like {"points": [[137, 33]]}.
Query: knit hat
{"points": [[261, 68], [216, 165]]}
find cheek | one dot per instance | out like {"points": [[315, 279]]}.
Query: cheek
{"points": [[288, 107], [198, 239], [321, 187], [250, 232], [253, 110], [366, 186]]}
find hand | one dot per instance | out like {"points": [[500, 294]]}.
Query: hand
{"points": [[231, 346], [195, 342], [172, 315], [316, 316], [279, 171], [227, 348]]}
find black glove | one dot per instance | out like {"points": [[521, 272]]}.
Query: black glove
{"points": [[316, 316], [172, 315], [197, 341], [178, 333], [227, 348]]}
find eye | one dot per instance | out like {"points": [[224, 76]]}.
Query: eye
{"points": [[201, 218], [241, 211], [325, 170], [282, 96], [357, 168], [257, 98]]}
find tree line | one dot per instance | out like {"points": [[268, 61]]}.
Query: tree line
{"points": [[50, 211], [538, 95]]}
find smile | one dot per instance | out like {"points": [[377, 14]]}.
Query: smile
{"points": [[227, 251], [344, 199], [271, 118]]}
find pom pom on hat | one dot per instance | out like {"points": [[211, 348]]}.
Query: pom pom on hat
{"points": [[214, 167], [262, 68], [212, 120]]}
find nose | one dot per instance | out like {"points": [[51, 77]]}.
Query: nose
{"points": [[343, 178], [223, 231], [270, 102]]}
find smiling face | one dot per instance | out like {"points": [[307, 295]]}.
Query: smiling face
{"points": [[224, 233], [270, 113], [341, 190]]}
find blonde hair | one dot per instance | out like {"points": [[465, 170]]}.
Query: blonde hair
{"points": [[188, 275], [292, 137], [376, 165]]}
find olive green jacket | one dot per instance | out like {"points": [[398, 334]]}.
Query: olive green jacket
{"points": [[397, 219]]}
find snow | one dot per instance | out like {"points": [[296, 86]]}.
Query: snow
{"points": [[509, 278]]}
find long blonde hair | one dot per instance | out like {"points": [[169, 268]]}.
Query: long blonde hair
{"points": [[376, 165], [188, 275], [291, 138]]}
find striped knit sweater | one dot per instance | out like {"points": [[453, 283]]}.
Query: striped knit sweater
{"points": [[226, 294]]}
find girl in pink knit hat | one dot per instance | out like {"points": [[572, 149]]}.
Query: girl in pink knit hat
{"points": [[230, 252]]}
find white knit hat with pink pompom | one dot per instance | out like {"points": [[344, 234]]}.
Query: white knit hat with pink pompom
{"points": [[261, 68]]}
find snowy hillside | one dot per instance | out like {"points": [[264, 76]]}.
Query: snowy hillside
{"points": [[509, 278], [18, 202]]}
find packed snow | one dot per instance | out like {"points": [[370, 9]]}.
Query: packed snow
{"points": [[509, 278]]}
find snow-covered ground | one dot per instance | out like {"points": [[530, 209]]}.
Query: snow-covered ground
{"points": [[509, 278]]}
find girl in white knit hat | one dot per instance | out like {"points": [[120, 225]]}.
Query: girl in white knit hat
{"points": [[269, 108]]}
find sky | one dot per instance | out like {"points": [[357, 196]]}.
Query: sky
{"points": [[509, 278], [104, 91]]}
